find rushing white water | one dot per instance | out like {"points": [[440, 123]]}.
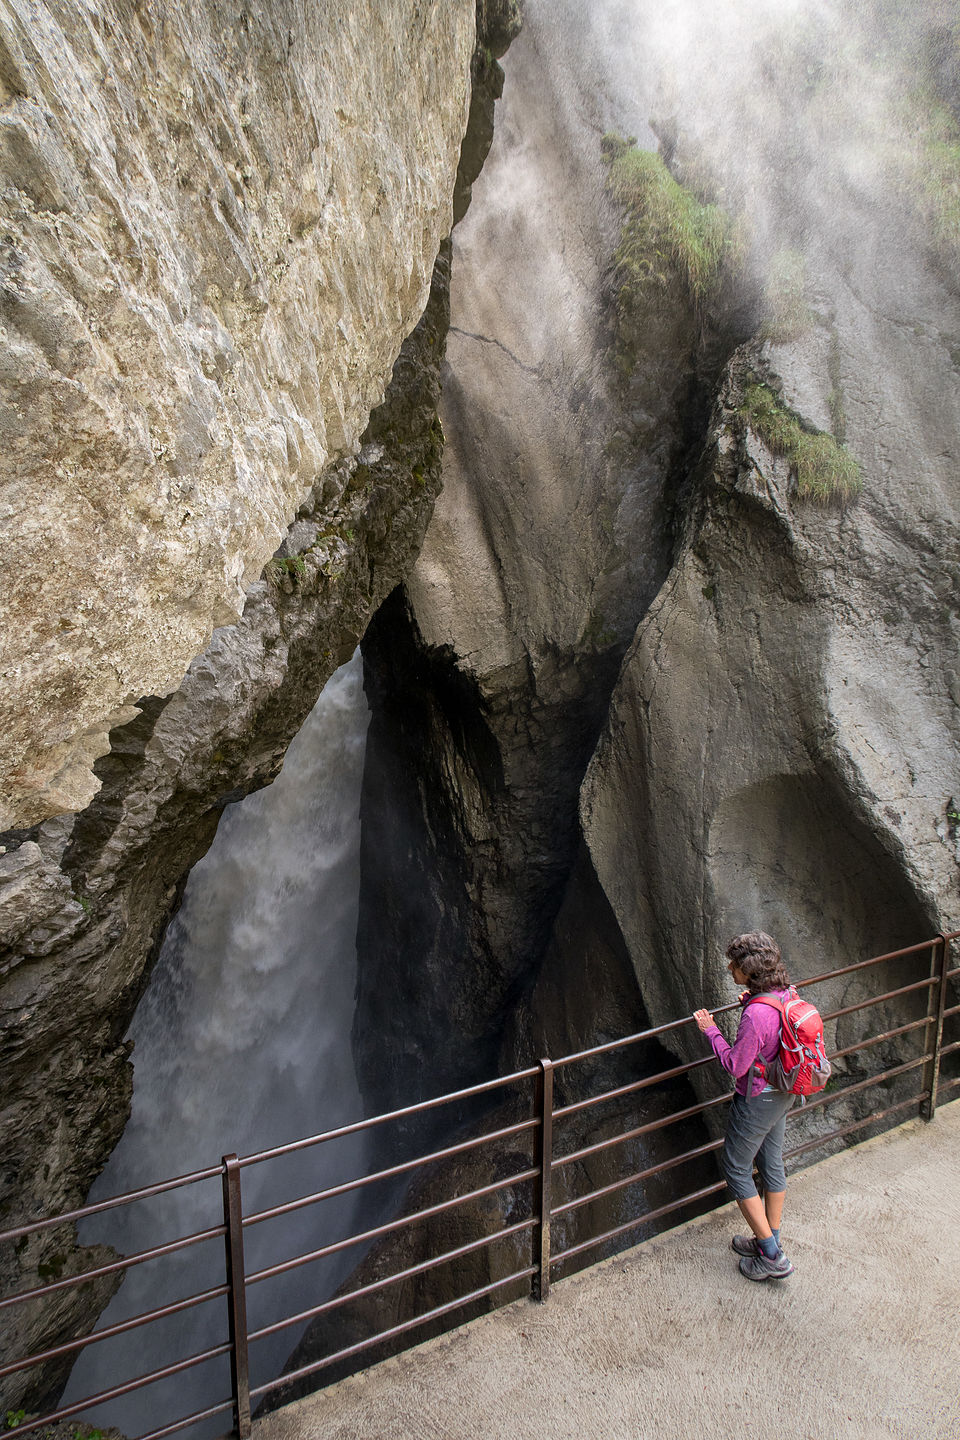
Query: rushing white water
{"points": [[242, 1042]]}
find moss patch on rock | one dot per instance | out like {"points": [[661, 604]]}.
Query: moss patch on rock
{"points": [[826, 472]]}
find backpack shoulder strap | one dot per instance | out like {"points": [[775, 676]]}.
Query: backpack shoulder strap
{"points": [[774, 1001]]}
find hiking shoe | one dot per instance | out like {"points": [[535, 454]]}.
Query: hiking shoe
{"points": [[745, 1245], [758, 1267]]}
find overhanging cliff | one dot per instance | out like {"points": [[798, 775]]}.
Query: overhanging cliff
{"points": [[219, 226]]}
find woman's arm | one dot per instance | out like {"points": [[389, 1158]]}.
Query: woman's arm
{"points": [[737, 1058]]}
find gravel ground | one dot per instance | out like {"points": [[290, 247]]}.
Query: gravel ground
{"points": [[669, 1341]]}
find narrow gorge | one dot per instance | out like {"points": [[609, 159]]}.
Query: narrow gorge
{"points": [[595, 370]]}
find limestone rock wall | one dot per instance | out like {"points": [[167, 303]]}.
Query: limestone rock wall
{"points": [[783, 745], [218, 226], [86, 897]]}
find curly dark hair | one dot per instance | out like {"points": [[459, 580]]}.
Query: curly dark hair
{"points": [[758, 956]]}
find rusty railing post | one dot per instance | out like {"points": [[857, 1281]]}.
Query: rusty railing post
{"points": [[928, 1109], [237, 1298], [543, 1159]]}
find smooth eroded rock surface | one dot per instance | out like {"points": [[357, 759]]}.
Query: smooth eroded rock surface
{"points": [[783, 746]]}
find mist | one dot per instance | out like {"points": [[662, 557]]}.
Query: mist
{"points": [[793, 113]]}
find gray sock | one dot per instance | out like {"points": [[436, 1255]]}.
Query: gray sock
{"points": [[776, 1236], [770, 1247]]}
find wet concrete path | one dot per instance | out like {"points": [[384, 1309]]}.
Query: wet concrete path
{"points": [[669, 1342]]}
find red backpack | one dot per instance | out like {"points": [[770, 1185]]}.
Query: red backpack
{"points": [[801, 1066]]}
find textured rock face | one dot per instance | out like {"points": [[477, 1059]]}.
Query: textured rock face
{"points": [[783, 747], [218, 228], [86, 898]]}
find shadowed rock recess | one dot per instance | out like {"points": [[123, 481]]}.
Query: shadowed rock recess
{"points": [[678, 652]]}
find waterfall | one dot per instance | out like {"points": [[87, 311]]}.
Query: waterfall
{"points": [[242, 1042]]}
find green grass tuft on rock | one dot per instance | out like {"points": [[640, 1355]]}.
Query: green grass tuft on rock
{"points": [[666, 224], [293, 568], [826, 472]]}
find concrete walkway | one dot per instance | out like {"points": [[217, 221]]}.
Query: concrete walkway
{"points": [[669, 1341]]}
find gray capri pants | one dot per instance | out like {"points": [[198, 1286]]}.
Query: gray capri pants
{"points": [[755, 1130]]}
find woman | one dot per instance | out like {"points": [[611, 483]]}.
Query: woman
{"points": [[758, 1113]]}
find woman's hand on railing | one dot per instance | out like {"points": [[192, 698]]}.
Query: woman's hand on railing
{"points": [[704, 1019]]}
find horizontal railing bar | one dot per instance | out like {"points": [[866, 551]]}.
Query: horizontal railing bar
{"points": [[634, 1179], [649, 1080], [334, 1190], [659, 1124], [140, 1383], [640, 1220], [652, 1034], [949, 1049], [119, 1329], [873, 960], [645, 1083], [126, 1263], [828, 1097], [836, 1134], [722, 1009], [376, 1285], [390, 1227], [662, 1075], [189, 1420], [706, 1105], [500, 1083], [26, 1425], [886, 1035], [391, 1334], [952, 1010], [948, 1084], [927, 984], [126, 1198]]}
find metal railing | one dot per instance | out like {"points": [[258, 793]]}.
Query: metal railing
{"points": [[921, 1071]]}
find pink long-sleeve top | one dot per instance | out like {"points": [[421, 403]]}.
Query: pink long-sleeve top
{"points": [[758, 1038]]}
